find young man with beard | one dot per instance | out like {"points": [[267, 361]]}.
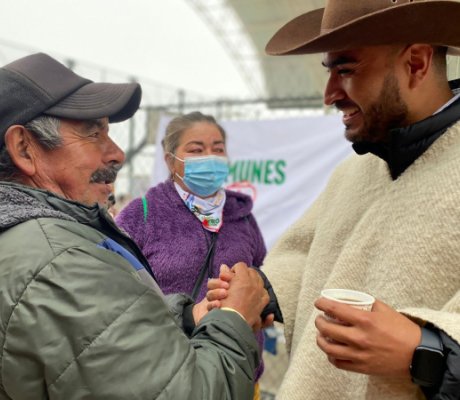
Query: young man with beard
{"points": [[388, 222], [81, 315]]}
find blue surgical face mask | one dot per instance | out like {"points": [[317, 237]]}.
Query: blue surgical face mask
{"points": [[205, 175]]}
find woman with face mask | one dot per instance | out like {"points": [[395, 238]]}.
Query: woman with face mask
{"points": [[189, 225]]}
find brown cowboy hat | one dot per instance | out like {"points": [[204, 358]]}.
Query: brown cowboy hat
{"points": [[347, 24]]}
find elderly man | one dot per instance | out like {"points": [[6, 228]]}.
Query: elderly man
{"points": [[81, 317], [388, 222]]}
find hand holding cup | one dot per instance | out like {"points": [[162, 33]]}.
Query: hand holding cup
{"points": [[353, 298]]}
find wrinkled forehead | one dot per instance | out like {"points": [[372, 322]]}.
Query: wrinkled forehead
{"points": [[202, 132], [100, 123], [85, 125]]}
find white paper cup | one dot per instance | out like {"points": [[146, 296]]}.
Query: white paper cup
{"points": [[353, 298]]}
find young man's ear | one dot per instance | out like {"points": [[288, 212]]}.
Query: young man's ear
{"points": [[419, 62], [20, 145]]}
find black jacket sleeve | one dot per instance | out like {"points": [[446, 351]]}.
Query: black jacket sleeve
{"points": [[449, 388], [272, 307]]}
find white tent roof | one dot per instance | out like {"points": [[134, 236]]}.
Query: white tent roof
{"points": [[285, 76], [295, 77]]}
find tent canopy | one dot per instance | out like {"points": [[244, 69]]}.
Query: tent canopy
{"points": [[290, 76]]}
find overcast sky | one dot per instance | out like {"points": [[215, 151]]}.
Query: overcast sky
{"points": [[162, 40]]}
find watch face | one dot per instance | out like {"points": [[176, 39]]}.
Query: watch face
{"points": [[428, 366]]}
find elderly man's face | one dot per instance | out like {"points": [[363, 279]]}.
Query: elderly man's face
{"points": [[364, 86], [84, 166]]}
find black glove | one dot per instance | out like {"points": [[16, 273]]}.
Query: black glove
{"points": [[272, 307]]}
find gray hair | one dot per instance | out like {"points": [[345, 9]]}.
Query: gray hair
{"points": [[46, 130], [178, 125]]}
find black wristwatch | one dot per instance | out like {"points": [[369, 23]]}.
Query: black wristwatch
{"points": [[428, 362]]}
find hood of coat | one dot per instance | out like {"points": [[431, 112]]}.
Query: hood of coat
{"points": [[19, 203], [237, 205]]}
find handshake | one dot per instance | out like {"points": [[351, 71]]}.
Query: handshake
{"points": [[244, 290]]}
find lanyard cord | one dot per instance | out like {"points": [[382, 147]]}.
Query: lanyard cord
{"points": [[206, 266]]}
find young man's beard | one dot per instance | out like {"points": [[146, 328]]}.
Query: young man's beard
{"points": [[388, 112]]}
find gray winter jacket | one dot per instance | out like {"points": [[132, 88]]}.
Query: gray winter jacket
{"points": [[81, 318]]}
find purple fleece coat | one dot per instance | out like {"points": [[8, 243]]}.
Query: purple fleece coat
{"points": [[176, 244]]}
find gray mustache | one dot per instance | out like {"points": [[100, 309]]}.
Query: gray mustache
{"points": [[105, 175]]}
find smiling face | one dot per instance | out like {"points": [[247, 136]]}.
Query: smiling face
{"points": [[363, 84], [84, 166]]}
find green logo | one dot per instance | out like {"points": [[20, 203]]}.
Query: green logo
{"points": [[267, 172], [213, 221]]}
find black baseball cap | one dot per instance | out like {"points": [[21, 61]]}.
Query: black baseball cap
{"points": [[38, 84]]}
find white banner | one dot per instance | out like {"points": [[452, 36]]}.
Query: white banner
{"points": [[282, 164]]}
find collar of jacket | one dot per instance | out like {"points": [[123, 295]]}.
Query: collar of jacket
{"points": [[408, 143], [94, 216]]}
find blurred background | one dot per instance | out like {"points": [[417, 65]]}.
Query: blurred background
{"points": [[188, 55]]}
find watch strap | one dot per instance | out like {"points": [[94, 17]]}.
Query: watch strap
{"points": [[428, 361], [431, 340]]}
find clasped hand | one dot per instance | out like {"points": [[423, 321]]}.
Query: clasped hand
{"points": [[242, 289]]}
